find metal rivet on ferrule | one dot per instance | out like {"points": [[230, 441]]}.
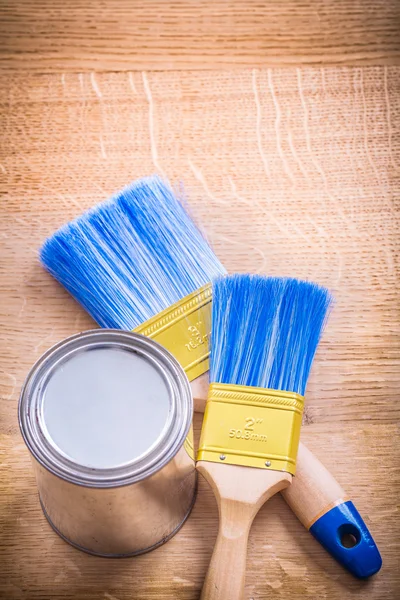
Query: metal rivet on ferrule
{"points": [[222, 457], [268, 463]]}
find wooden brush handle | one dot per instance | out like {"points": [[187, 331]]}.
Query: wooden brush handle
{"points": [[322, 506], [320, 503], [314, 489], [200, 392], [240, 492], [226, 572]]}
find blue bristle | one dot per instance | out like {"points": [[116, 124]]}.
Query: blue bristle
{"points": [[265, 331], [131, 256]]}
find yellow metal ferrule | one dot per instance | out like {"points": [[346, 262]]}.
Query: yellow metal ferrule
{"points": [[184, 329], [251, 426]]}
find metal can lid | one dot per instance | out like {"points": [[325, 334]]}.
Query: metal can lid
{"points": [[105, 408]]}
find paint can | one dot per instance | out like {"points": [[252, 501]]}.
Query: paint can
{"points": [[106, 415]]}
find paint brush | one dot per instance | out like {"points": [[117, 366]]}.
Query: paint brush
{"points": [[137, 261], [265, 332]]}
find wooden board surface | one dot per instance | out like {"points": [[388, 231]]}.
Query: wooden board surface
{"points": [[54, 35], [289, 172]]}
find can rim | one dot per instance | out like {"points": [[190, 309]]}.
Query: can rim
{"points": [[156, 457]]}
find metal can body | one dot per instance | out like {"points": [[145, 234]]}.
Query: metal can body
{"points": [[121, 521], [123, 510]]}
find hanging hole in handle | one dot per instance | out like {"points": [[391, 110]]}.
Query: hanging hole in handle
{"points": [[349, 535]]}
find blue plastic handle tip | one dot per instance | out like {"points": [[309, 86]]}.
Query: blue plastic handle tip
{"points": [[344, 534]]}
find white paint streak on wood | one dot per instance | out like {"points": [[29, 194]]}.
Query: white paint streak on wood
{"points": [[102, 147], [200, 177], [254, 202], [323, 81], [365, 123], [307, 129], [294, 151], [322, 251], [236, 195], [281, 154], [43, 341], [258, 124], [333, 201], [259, 251], [153, 145], [132, 83], [14, 384], [95, 85], [389, 118], [68, 199], [22, 309]]}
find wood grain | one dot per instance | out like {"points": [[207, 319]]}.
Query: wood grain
{"points": [[290, 172], [78, 35]]}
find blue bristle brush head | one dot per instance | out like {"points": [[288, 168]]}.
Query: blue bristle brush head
{"points": [[265, 331], [132, 256]]}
